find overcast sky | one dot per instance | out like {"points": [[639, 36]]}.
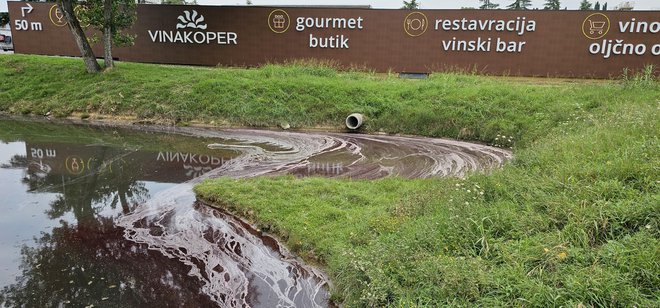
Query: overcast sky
{"points": [[425, 4]]}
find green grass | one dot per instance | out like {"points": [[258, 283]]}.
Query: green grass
{"points": [[305, 95], [573, 220]]}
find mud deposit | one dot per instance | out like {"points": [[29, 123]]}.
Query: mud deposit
{"points": [[105, 216], [350, 155], [239, 266]]}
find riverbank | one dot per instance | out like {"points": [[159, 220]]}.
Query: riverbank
{"points": [[303, 96], [573, 219]]}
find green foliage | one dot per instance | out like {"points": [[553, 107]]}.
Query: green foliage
{"points": [[410, 5], [488, 5], [642, 78], [122, 17], [552, 5], [585, 5], [520, 5], [574, 220]]}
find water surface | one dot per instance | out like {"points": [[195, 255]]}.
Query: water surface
{"points": [[62, 189], [105, 216]]}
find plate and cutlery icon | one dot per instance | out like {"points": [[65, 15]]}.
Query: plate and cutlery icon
{"points": [[415, 24]]}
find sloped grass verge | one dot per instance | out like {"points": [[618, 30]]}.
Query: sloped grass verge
{"points": [[305, 95], [573, 220]]}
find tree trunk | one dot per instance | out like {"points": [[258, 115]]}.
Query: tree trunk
{"points": [[66, 6], [107, 34]]}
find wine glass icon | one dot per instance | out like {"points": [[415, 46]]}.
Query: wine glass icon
{"points": [[59, 15], [75, 165]]}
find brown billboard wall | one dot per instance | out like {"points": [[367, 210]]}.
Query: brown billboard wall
{"points": [[502, 42]]}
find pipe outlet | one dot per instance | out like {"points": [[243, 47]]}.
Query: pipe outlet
{"points": [[354, 121]]}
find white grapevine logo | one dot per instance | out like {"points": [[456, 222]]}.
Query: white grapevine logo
{"points": [[191, 21]]}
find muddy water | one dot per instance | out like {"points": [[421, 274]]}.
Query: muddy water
{"points": [[106, 216], [184, 233], [350, 155]]}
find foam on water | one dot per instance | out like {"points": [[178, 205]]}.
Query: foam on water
{"points": [[238, 265]]}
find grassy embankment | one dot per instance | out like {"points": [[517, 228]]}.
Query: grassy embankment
{"points": [[574, 219], [302, 95]]}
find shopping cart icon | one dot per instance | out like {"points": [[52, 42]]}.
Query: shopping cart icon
{"points": [[596, 26]]}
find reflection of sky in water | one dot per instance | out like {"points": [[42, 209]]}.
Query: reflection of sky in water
{"points": [[152, 187], [24, 213]]}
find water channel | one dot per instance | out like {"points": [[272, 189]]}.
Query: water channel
{"points": [[105, 215]]}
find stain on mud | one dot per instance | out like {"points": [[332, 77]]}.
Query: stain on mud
{"points": [[352, 155], [237, 265]]}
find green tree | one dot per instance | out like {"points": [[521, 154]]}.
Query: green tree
{"points": [[79, 36], [520, 5], [585, 5], [110, 17], [410, 5], [605, 6], [552, 5], [4, 19], [597, 6], [488, 5]]}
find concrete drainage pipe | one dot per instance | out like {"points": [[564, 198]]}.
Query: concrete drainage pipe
{"points": [[354, 121]]}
